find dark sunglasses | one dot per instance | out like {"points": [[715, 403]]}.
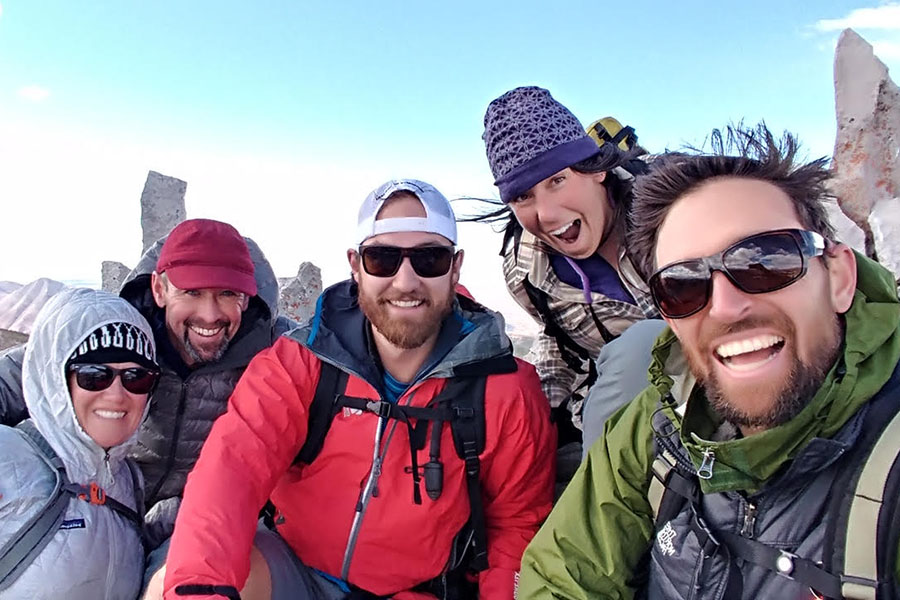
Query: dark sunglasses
{"points": [[427, 261], [758, 264], [95, 378]]}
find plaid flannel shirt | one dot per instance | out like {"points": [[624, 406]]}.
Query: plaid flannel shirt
{"points": [[570, 311]]}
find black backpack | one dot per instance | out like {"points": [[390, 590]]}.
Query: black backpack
{"points": [[461, 404], [25, 545]]}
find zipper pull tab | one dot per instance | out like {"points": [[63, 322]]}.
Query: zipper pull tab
{"points": [[706, 467], [749, 521], [108, 469]]}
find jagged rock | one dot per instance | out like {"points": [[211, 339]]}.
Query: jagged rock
{"points": [[867, 149], [8, 339], [162, 206], [298, 295], [113, 274]]}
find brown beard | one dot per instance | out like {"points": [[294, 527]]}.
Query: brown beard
{"points": [[404, 333], [787, 399]]}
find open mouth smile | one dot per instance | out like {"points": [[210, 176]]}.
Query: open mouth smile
{"points": [[568, 233], [750, 353]]}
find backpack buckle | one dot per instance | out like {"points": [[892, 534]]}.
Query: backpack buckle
{"points": [[95, 495], [464, 412], [380, 408]]}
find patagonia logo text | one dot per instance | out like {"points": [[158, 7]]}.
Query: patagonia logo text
{"points": [[665, 539], [72, 524]]}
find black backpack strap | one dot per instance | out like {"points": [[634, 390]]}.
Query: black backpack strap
{"points": [[137, 486], [572, 354], [783, 563], [94, 494], [332, 383], [622, 134], [196, 589], [468, 428], [24, 546]]}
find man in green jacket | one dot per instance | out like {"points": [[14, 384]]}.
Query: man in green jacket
{"points": [[776, 373]]}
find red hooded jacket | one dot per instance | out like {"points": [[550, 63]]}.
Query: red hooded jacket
{"points": [[248, 457]]}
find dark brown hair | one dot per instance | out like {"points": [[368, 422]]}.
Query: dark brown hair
{"points": [[738, 151], [608, 157]]}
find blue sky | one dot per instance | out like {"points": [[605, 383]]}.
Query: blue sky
{"points": [[282, 115]]}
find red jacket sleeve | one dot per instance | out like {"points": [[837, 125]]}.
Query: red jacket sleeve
{"points": [[248, 449], [518, 482]]}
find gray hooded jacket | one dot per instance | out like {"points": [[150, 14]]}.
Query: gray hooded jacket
{"points": [[185, 405], [97, 553]]}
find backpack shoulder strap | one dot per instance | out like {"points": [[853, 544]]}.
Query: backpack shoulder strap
{"points": [[137, 485], [22, 548], [571, 352], [870, 550], [673, 480], [332, 383], [468, 429]]}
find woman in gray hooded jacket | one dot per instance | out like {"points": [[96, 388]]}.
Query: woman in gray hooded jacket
{"points": [[87, 375]]}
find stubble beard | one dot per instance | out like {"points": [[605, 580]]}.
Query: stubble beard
{"points": [[786, 398], [200, 357], [404, 333]]}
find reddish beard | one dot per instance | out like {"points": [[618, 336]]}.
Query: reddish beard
{"points": [[405, 333], [779, 401]]}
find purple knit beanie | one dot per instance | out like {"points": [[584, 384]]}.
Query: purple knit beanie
{"points": [[528, 137]]}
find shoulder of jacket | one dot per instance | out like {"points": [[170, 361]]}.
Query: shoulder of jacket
{"points": [[634, 424], [21, 462]]}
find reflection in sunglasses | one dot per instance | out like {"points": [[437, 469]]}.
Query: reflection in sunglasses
{"points": [[758, 264]]}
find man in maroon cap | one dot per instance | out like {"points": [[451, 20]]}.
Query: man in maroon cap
{"points": [[211, 299], [203, 281]]}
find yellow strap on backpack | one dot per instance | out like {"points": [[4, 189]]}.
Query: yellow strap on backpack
{"points": [[608, 129]]}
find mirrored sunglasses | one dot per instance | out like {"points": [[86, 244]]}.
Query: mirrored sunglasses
{"points": [[756, 265]]}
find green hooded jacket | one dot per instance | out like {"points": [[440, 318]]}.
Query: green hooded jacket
{"points": [[596, 536]]}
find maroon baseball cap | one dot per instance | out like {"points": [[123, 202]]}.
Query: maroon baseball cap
{"points": [[202, 253]]}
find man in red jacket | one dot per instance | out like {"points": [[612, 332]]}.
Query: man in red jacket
{"points": [[352, 522]]}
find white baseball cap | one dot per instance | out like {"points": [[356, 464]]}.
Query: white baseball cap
{"points": [[438, 218]]}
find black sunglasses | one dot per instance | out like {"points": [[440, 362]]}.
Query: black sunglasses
{"points": [[757, 264], [95, 378], [427, 261]]}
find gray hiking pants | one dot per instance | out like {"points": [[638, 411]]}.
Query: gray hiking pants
{"points": [[621, 375], [291, 579]]}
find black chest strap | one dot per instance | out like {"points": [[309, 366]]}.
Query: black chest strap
{"points": [[460, 403]]}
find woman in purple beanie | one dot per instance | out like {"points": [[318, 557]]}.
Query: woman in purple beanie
{"points": [[566, 198]]}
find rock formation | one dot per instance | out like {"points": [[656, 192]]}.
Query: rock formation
{"points": [[162, 206], [298, 295], [113, 275], [867, 149]]}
